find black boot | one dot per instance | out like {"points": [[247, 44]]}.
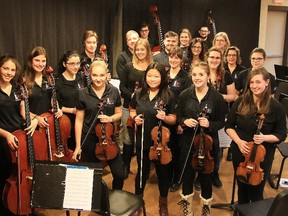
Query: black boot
{"points": [[127, 155], [215, 179], [229, 155]]}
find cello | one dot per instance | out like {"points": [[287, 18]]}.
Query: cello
{"points": [[201, 159], [161, 47], [85, 71], [59, 130], [106, 148], [249, 171], [160, 136], [17, 191]]}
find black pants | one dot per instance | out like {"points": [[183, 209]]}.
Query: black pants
{"points": [[248, 193], [189, 176], [164, 173], [176, 153], [116, 165]]}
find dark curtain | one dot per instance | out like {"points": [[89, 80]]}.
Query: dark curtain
{"points": [[57, 25], [238, 18]]}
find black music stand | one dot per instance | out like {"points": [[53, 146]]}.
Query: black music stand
{"points": [[230, 205], [50, 182]]}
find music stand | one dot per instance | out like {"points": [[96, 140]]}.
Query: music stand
{"points": [[230, 205], [54, 182]]}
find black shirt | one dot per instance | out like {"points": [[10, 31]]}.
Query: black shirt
{"points": [[89, 102], [127, 84], [10, 117], [146, 107], [245, 126], [179, 83], [236, 72], [40, 99], [189, 107]]}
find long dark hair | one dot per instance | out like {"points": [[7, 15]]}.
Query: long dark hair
{"points": [[18, 74], [164, 91], [247, 105]]}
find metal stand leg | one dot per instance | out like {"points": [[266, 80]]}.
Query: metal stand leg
{"points": [[230, 205]]}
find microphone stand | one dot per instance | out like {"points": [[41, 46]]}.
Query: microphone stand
{"points": [[230, 205]]}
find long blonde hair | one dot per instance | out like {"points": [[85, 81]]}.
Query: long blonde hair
{"points": [[145, 43]]}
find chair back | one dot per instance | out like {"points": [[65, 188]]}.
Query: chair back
{"points": [[279, 205], [281, 88]]}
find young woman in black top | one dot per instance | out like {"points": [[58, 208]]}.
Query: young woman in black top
{"points": [[132, 78], [190, 104], [242, 123], [221, 81], [144, 111], [178, 80], [68, 83], [39, 91], [12, 114], [87, 108]]}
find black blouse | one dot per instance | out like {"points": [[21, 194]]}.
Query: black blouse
{"points": [[245, 126], [148, 108], [180, 82], [127, 84], [10, 117], [89, 102], [40, 99]]}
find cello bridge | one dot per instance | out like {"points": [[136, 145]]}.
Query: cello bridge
{"points": [[29, 177], [59, 154]]}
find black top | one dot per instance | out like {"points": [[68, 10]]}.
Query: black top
{"points": [[189, 107], [67, 90], [89, 102], [127, 84], [146, 107], [40, 99], [123, 58], [10, 117], [179, 83], [246, 126], [162, 58], [236, 71], [242, 80]]}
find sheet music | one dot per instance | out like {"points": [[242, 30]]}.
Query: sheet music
{"points": [[224, 139], [78, 188]]}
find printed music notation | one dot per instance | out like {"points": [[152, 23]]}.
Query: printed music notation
{"points": [[78, 188]]}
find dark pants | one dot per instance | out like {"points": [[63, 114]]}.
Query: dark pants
{"points": [[176, 153], [189, 176], [164, 173], [248, 193], [116, 164]]}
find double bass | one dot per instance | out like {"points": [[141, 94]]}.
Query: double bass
{"points": [[211, 21], [17, 191], [59, 130], [249, 171], [161, 47], [201, 159], [106, 148], [160, 136]]}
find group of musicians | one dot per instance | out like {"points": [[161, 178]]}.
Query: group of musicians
{"points": [[175, 100]]}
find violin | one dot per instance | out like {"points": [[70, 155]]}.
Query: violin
{"points": [[59, 130], [161, 47], [249, 171], [201, 159], [106, 148], [17, 191], [160, 136]]}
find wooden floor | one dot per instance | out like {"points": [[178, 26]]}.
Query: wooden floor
{"points": [[220, 195]]}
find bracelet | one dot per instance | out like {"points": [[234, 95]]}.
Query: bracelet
{"points": [[35, 117]]}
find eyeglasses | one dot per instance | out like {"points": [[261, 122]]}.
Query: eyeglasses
{"points": [[256, 59], [73, 64], [196, 47], [204, 31], [231, 55], [214, 58]]}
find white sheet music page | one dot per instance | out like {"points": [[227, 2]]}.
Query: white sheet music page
{"points": [[78, 188]]}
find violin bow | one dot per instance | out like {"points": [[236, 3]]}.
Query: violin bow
{"points": [[188, 153], [141, 157]]}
